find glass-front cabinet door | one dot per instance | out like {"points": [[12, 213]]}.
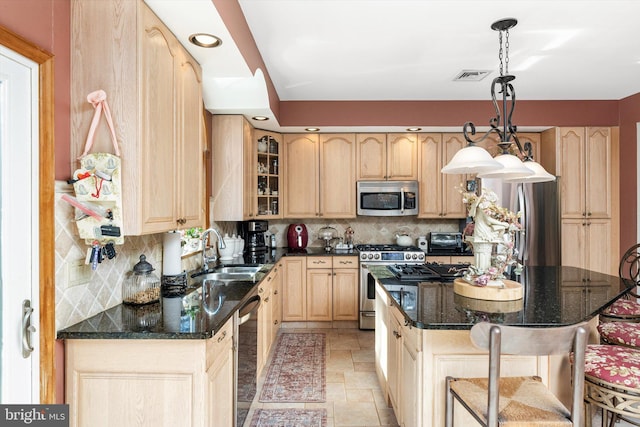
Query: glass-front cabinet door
{"points": [[267, 179]]}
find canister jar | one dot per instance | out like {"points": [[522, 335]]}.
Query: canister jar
{"points": [[141, 286]]}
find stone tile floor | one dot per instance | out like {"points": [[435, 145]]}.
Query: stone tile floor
{"points": [[353, 394]]}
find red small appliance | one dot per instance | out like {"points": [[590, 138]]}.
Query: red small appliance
{"points": [[297, 236]]}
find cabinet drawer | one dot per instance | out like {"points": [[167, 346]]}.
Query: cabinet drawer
{"points": [[219, 341], [345, 262], [319, 262]]}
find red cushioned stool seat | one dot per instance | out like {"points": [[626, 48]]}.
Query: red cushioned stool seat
{"points": [[612, 382], [614, 364], [623, 307], [620, 333]]}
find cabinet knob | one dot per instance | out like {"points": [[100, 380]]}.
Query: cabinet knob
{"points": [[275, 292], [275, 322], [260, 290], [266, 299], [221, 337], [589, 214]]}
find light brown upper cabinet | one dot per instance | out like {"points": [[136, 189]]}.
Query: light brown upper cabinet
{"points": [[586, 160], [585, 168], [440, 194], [154, 91], [319, 176], [246, 170], [392, 156]]}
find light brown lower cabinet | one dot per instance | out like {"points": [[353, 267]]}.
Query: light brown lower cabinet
{"points": [[269, 314], [320, 288], [151, 383]]}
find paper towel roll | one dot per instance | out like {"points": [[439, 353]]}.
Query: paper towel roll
{"points": [[171, 254]]}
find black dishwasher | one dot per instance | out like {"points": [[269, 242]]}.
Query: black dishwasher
{"points": [[246, 356]]}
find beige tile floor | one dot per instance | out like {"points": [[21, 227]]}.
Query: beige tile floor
{"points": [[353, 394]]}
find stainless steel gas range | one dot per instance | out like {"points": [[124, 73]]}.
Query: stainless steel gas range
{"points": [[380, 255]]}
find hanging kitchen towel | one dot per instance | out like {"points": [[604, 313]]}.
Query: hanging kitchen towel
{"points": [[97, 184]]}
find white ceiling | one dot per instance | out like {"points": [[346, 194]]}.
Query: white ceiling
{"points": [[412, 49]]}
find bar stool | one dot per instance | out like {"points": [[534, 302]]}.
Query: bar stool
{"points": [[520, 401], [620, 333], [612, 382], [625, 309]]}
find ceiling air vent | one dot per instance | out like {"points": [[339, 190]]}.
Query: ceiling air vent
{"points": [[471, 75]]}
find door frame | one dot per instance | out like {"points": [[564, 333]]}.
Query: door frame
{"points": [[46, 203]]}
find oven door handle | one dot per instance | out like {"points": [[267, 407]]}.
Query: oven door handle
{"points": [[402, 201]]}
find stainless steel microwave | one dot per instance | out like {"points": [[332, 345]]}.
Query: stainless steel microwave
{"points": [[387, 198]]}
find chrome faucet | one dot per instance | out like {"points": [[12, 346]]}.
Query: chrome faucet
{"points": [[205, 236]]}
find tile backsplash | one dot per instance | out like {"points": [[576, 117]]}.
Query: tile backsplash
{"points": [[366, 229], [78, 299], [102, 288]]}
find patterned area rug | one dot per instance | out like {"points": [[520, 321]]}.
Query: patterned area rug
{"points": [[297, 371], [289, 418]]}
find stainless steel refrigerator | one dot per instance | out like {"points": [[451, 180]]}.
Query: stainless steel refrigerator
{"points": [[540, 206]]}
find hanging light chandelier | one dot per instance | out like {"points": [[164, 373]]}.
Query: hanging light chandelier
{"points": [[476, 160]]}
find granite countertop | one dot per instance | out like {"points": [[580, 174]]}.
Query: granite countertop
{"points": [[552, 296], [172, 318], [183, 318]]}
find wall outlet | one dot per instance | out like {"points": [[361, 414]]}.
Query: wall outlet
{"points": [[78, 273]]}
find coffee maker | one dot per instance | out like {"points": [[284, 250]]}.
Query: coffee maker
{"points": [[253, 234]]}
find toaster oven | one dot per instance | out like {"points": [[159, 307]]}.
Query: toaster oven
{"points": [[441, 243]]}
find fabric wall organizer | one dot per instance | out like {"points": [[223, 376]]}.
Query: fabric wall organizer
{"points": [[98, 188]]}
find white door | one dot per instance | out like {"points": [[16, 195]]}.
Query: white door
{"points": [[19, 224]]}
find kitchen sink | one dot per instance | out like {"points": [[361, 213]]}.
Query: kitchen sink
{"points": [[227, 277], [238, 269]]}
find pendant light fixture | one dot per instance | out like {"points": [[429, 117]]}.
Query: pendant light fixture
{"points": [[539, 173], [473, 159]]}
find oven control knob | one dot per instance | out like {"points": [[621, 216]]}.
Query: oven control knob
{"points": [[407, 256], [421, 257], [370, 256], [414, 256], [363, 256], [377, 256]]}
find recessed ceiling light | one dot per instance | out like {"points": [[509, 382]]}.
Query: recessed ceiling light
{"points": [[205, 40], [260, 118], [413, 129], [312, 129]]}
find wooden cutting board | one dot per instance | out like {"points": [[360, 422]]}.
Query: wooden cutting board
{"points": [[511, 291]]}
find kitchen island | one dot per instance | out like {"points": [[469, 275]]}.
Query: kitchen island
{"points": [[421, 340]]}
